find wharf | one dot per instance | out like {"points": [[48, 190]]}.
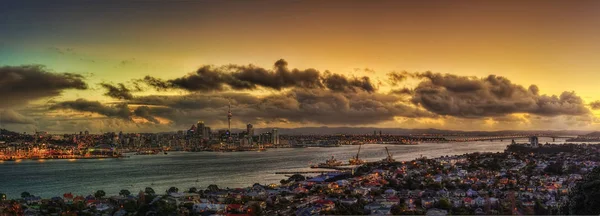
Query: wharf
{"points": [[311, 172]]}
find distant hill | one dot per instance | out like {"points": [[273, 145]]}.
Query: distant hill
{"points": [[593, 134], [404, 131], [7, 132]]}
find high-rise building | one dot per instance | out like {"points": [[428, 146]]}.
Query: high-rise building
{"points": [[275, 137], [250, 133], [200, 128], [207, 132], [250, 130]]}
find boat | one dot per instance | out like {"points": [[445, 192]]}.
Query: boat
{"points": [[165, 152], [328, 163], [389, 158], [401, 142], [356, 160], [148, 152]]}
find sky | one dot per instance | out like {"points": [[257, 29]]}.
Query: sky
{"points": [[148, 66]]}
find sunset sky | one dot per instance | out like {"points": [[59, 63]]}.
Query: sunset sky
{"points": [[402, 64]]}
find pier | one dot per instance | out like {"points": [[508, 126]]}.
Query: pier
{"points": [[311, 172]]}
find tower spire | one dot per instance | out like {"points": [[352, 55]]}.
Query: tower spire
{"points": [[229, 115]]}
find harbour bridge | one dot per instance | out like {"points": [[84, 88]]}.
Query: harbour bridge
{"points": [[505, 137]]}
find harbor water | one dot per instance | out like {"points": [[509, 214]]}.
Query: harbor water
{"points": [[51, 178]]}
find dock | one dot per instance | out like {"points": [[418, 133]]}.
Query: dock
{"points": [[311, 172]]}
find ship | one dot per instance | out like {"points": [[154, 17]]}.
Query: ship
{"points": [[401, 142], [328, 163], [356, 160], [146, 152]]}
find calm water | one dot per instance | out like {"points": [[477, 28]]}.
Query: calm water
{"points": [[199, 169]]}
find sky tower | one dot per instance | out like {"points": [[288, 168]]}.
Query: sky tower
{"points": [[229, 115]]}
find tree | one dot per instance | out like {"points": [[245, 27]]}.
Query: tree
{"points": [[584, 198], [99, 194], [445, 204], [296, 178], [149, 191], [193, 190], [130, 206], [124, 193], [2, 196], [255, 209], [213, 188], [399, 208], [172, 190], [25, 195]]}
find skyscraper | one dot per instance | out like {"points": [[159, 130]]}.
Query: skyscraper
{"points": [[250, 130], [207, 132], [275, 137], [200, 129]]}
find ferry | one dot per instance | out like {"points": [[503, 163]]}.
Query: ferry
{"points": [[147, 152], [402, 142]]}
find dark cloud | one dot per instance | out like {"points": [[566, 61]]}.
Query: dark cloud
{"points": [[144, 112], [339, 82], [20, 84], [341, 108], [118, 91], [595, 105], [403, 91], [197, 101], [250, 77], [469, 97], [318, 106], [396, 78], [12, 117], [117, 111]]}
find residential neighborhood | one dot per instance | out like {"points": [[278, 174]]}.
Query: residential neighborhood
{"points": [[521, 180]]}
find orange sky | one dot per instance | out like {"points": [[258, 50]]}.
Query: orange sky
{"points": [[552, 44]]}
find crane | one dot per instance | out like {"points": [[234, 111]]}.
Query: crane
{"points": [[356, 160], [389, 158]]}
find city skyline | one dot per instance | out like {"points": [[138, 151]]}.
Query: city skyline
{"points": [[157, 67]]}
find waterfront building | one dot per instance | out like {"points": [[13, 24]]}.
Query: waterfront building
{"points": [[200, 129], [275, 137], [265, 138], [250, 130], [206, 132], [250, 133]]}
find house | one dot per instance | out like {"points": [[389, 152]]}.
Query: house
{"points": [[202, 207], [459, 193], [479, 201], [308, 211], [456, 202], [472, 193], [427, 203], [326, 205], [68, 197], [436, 212], [443, 193], [349, 201]]}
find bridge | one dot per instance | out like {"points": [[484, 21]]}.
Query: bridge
{"points": [[507, 137]]}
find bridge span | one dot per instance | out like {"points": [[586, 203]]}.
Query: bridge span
{"points": [[508, 137]]}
